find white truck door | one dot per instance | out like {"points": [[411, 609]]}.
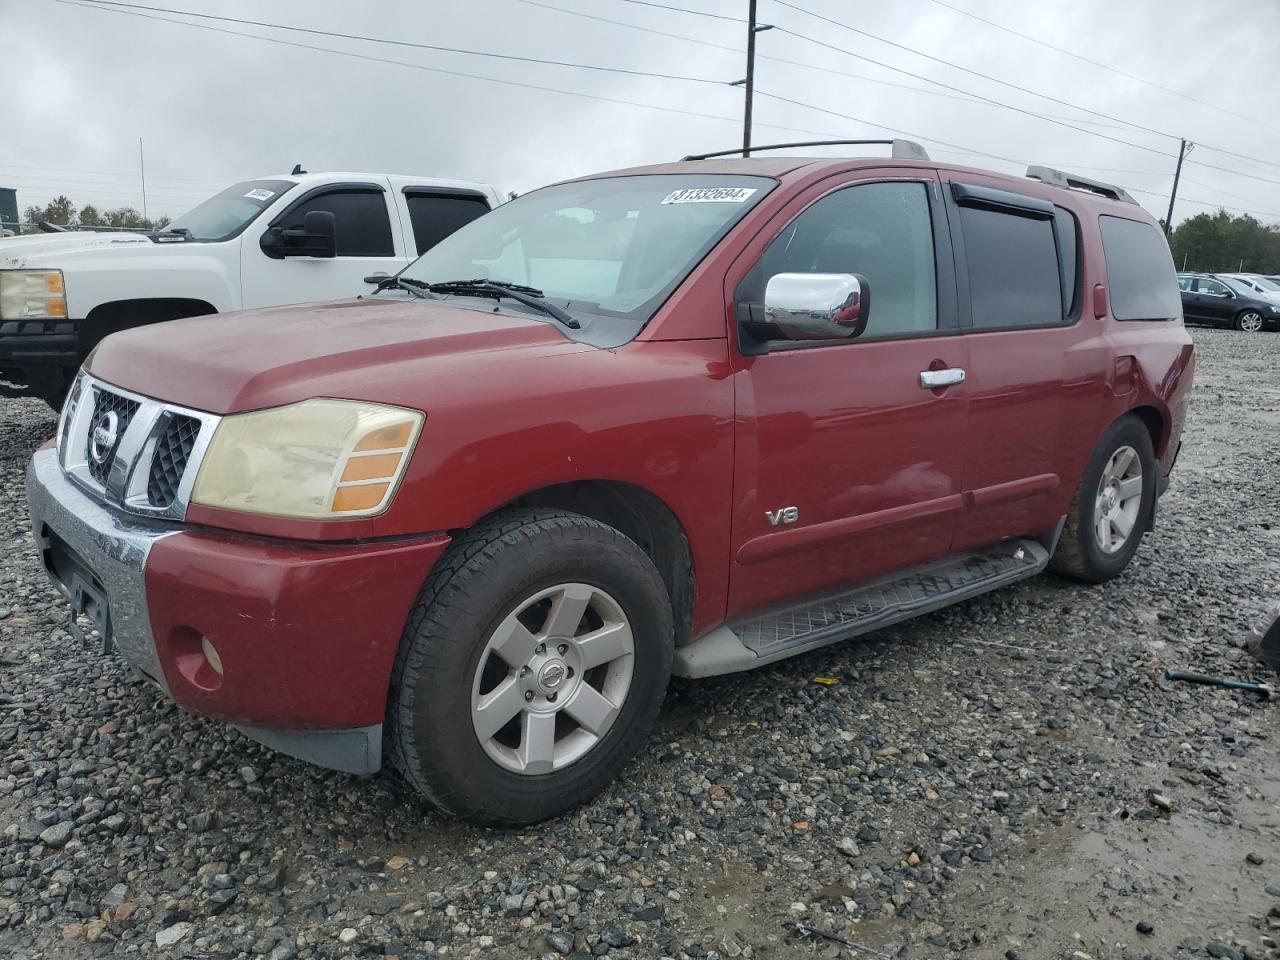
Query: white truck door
{"points": [[432, 211], [369, 241]]}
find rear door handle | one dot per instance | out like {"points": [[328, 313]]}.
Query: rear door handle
{"points": [[932, 379]]}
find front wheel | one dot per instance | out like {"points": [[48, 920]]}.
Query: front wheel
{"points": [[1250, 321], [1112, 505], [532, 668]]}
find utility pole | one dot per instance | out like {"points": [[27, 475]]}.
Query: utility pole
{"points": [[142, 168], [1183, 150], [750, 81]]}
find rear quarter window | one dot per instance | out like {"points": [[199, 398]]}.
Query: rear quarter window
{"points": [[1140, 274]]}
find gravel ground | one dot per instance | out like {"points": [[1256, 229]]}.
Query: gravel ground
{"points": [[1008, 778]]}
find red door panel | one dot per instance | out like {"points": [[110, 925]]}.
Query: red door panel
{"points": [[870, 461]]}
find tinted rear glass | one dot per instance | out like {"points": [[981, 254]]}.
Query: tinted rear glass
{"points": [[434, 215], [1142, 280], [1014, 278]]}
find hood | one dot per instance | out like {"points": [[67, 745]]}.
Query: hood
{"points": [[385, 350], [44, 249]]}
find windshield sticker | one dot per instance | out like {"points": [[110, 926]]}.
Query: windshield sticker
{"points": [[709, 195], [260, 194]]}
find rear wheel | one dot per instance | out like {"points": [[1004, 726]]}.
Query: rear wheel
{"points": [[1111, 507], [532, 668], [1250, 321]]}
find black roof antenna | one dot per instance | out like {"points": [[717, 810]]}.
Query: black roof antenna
{"points": [[297, 169]]}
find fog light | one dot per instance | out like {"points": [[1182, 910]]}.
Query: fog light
{"points": [[211, 655], [195, 658]]}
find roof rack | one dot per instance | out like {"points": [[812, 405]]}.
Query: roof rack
{"points": [[902, 149], [1071, 181]]}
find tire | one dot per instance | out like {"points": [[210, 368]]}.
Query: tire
{"points": [[1249, 321], [1081, 553], [448, 671]]}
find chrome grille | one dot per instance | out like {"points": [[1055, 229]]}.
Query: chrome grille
{"points": [[105, 405], [151, 465], [169, 462]]}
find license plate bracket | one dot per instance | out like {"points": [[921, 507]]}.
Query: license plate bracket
{"points": [[92, 602]]}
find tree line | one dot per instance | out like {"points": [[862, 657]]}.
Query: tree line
{"points": [[1223, 243], [61, 212]]}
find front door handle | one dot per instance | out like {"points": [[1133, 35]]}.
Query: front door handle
{"points": [[932, 379]]}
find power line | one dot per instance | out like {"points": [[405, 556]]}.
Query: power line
{"points": [[963, 69], [881, 126], [92, 5], [739, 50], [135, 10], [696, 13], [407, 43], [1014, 86], [91, 184], [1096, 63], [105, 173], [967, 93], [930, 80]]}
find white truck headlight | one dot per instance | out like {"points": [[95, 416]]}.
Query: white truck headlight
{"points": [[32, 295], [316, 460]]}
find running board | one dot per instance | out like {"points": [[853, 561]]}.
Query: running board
{"points": [[746, 644]]}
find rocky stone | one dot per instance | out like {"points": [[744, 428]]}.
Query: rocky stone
{"points": [[173, 935]]}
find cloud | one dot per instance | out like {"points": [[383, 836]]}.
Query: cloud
{"points": [[84, 85]]}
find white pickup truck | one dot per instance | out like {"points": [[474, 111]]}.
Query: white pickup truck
{"points": [[269, 241]]}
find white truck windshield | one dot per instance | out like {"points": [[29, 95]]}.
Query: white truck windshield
{"points": [[225, 214]]}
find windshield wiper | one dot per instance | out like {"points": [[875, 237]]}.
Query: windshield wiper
{"points": [[182, 232], [416, 287], [529, 296]]}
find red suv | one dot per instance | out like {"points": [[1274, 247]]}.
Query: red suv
{"points": [[689, 418]]}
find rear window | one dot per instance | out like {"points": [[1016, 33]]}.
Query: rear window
{"points": [[1141, 277], [1014, 278], [436, 215]]}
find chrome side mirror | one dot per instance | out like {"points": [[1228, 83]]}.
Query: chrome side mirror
{"points": [[818, 306]]}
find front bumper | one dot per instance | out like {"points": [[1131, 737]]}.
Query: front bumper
{"points": [[306, 633], [42, 354]]}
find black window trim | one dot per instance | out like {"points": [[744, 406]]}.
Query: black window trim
{"points": [[343, 187], [429, 191], [352, 187], [1001, 201], [1013, 204], [944, 279]]}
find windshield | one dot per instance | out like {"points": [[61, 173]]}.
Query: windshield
{"points": [[607, 250], [1239, 286], [1268, 285], [225, 214]]}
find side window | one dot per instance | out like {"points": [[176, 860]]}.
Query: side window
{"points": [[436, 215], [882, 231], [1015, 276], [1140, 273], [1213, 288], [1184, 283], [360, 219]]}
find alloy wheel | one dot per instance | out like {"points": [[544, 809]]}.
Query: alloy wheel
{"points": [[1251, 322], [1119, 500], [552, 678]]}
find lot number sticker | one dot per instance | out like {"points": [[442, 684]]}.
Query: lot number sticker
{"points": [[260, 194], [709, 195]]}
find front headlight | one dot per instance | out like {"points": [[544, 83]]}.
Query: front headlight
{"points": [[32, 295], [316, 460], [1275, 309]]}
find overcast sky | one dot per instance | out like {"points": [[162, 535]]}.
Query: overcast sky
{"points": [[82, 85]]}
